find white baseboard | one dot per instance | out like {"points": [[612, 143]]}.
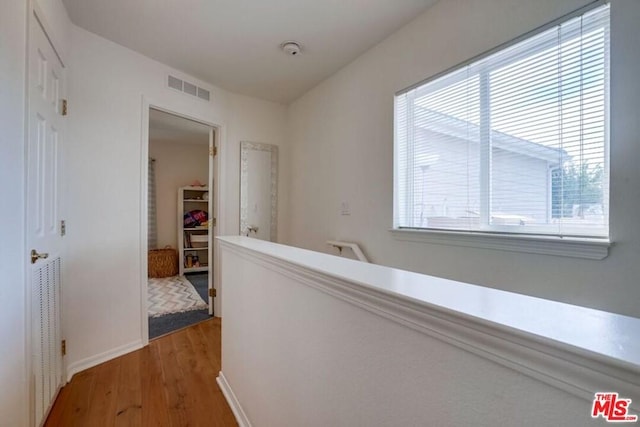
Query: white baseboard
{"points": [[92, 361], [232, 400]]}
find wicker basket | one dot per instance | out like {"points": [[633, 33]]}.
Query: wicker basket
{"points": [[163, 262]]}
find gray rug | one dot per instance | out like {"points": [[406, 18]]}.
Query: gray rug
{"points": [[164, 324], [200, 281]]}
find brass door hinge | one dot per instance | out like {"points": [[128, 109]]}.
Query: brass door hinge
{"points": [[212, 292], [213, 151], [64, 107], [64, 347]]}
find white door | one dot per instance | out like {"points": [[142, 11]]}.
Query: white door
{"points": [[45, 137]]}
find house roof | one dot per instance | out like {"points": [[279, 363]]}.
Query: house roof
{"points": [[463, 129]]}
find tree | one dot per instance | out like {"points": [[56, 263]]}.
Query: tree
{"points": [[575, 184]]}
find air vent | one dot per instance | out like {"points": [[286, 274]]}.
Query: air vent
{"points": [[188, 88], [175, 83], [203, 94]]}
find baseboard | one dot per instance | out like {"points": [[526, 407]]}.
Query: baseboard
{"points": [[232, 400], [92, 361]]}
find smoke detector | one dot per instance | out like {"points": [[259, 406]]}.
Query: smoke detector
{"points": [[291, 48]]}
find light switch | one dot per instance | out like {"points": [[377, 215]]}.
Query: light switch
{"points": [[344, 208]]}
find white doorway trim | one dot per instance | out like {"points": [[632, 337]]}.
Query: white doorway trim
{"points": [[218, 195], [40, 16]]}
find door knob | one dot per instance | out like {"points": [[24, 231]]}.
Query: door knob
{"points": [[35, 256]]}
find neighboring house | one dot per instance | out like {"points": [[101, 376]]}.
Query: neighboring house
{"points": [[447, 177]]}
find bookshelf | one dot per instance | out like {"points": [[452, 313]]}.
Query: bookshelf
{"points": [[194, 238]]}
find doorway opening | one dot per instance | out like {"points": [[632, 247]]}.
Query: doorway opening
{"points": [[180, 222]]}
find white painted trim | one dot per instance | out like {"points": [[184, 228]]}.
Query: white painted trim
{"points": [[97, 359], [28, 368], [218, 196], [232, 400], [28, 294], [144, 209], [574, 247], [41, 18], [211, 185], [578, 371]]}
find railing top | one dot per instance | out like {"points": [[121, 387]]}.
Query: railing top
{"points": [[608, 334]]}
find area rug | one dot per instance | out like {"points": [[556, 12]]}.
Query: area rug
{"points": [[172, 295]]}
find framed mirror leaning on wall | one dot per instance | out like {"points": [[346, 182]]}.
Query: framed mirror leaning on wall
{"points": [[259, 190]]}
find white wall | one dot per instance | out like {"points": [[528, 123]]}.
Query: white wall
{"points": [[176, 165], [13, 393], [256, 121], [332, 353], [107, 83], [341, 141]]}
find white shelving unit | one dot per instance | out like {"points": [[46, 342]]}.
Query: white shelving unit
{"points": [[194, 241]]}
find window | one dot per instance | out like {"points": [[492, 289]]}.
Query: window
{"points": [[515, 142]]}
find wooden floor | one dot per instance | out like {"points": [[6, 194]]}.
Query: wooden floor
{"points": [[172, 382]]}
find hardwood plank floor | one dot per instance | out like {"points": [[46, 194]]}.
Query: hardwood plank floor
{"points": [[172, 383]]}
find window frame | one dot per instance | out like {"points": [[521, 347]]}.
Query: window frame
{"points": [[496, 236]]}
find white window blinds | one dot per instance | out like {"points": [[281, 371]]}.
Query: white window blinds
{"points": [[516, 142]]}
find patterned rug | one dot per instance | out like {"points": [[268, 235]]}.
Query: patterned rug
{"points": [[172, 295]]}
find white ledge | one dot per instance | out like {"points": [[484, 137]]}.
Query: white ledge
{"points": [[576, 349], [575, 247]]}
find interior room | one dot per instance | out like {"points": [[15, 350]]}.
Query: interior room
{"points": [[178, 205], [366, 213]]}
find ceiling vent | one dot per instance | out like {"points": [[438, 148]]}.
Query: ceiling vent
{"points": [[188, 88]]}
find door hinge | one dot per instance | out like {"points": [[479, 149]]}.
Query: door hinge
{"points": [[64, 107], [212, 292], [213, 151], [64, 347], [214, 221], [63, 227]]}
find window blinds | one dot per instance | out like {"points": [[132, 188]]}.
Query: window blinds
{"points": [[516, 142]]}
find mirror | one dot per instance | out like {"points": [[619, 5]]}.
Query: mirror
{"points": [[258, 190]]}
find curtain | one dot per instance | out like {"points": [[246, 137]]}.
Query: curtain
{"points": [[151, 202]]}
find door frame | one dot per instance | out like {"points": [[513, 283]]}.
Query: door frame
{"points": [[218, 177]]}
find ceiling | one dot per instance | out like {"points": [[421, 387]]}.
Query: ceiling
{"points": [[234, 44], [165, 127]]}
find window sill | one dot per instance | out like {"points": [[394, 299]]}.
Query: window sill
{"points": [[574, 247]]}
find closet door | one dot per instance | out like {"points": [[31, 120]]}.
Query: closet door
{"points": [[44, 228]]}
